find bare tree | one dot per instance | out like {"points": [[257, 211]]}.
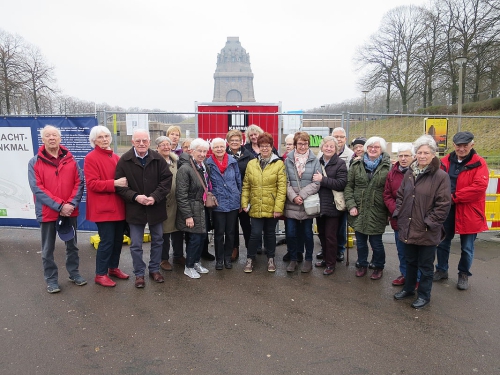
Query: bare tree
{"points": [[11, 79]]}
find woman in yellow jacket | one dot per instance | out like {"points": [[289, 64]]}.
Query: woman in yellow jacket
{"points": [[263, 197]]}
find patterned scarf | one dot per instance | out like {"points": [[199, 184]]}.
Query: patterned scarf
{"points": [[263, 161], [300, 162], [371, 165], [416, 170]]}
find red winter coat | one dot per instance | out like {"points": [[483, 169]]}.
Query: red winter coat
{"points": [[470, 195], [103, 204], [392, 184], [53, 186]]}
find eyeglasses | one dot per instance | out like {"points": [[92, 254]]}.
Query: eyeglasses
{"points": [[235, 141], [139, 141], [164, 145], [265, 146], [373, 147], [302, 144]]}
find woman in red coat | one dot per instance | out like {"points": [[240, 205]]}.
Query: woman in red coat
{"points": [[104, 206]]}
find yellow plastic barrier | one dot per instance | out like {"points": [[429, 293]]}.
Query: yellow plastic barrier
{"points": [[492, 208], [95, 239]]}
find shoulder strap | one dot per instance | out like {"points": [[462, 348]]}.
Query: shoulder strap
{"points": [[196, 172]]}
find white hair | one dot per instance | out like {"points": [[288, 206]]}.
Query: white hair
{"points": [[406, 147], [339, 129], [199, 142], [289, 137], [217, 140], [370, 141], [425, 140], [95, 131], [46, 127], [138, 130]]}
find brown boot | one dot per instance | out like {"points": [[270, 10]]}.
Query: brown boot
{"points": [[235, 255]]}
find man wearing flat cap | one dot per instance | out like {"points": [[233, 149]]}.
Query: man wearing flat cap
{"points": [[469, 179]]}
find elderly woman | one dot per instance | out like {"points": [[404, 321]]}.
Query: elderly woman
{"points": [[226, 186], [333, 176], [242, 156], [191, 188], [358, 147], [364, 200], [174, 133], [300, 165], [263, 197], [170, 232], [251, 135], [422, 205], [104, 206], [185, 145], [392, 184]]}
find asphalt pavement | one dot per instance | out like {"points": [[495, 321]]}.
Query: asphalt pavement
{"points": [[229, 322]]}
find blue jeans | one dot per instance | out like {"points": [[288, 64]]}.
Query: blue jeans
{"points": [[342, 233], [419, 259], [299, 233], [50, 272], [110, 246], [194, 247], [466, 246], [268, 225], [137, 237], [378, 259]]}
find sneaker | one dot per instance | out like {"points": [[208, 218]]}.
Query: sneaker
{"points": [[440, 275], [78, 280], [463, 281], [53, 289], [328, 271], [377, 274], [191, 272], [248, 266], [271, 267], [400, 280], [199, 268]]}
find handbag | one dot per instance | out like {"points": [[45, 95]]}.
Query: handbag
{"points": [[338, 196], [210, 200], [311, 203]]}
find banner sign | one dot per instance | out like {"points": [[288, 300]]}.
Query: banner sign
{"points": [[19, 142]]}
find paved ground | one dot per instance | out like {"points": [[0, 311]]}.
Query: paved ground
{"points": [[229, 322]]}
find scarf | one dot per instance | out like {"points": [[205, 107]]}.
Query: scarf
{"points": [[416, 170], [264, 161], [371, 165], [221, 165], [236, 155], [300, 162]]}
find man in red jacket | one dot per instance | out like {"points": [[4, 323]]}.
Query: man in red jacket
{"points": [[56, 181], [469, 179]]}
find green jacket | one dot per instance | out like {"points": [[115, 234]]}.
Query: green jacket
{"points": [[265, 190], [367, 196]]}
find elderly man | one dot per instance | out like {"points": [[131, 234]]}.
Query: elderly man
{"points": [[344, 153], [149, 181], [57, 184], [469, 179]]}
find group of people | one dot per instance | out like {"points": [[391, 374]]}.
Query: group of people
{"points": [[181, 195]]}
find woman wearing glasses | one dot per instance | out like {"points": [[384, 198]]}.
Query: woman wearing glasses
{"points": [[364, 200]]}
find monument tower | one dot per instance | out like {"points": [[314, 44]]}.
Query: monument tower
{"points": [[233, 76]]}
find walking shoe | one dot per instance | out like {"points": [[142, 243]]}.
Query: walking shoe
{"points": [[248, 266], [403, 294], [165, 265], [286, 257], [320, 264], [300, 257], [139, 282], [104, 280], [361, 271], [199, 268], [116, 272], [398, 281], [78, 280], [377, 274], [228, 263], [219, 265], [340, 257], [328, 271], [157, 277], [271, 267], [319, 255], [53, 289], [440, 275], [292, 266], [419, 303], [191, 272], [307, 266], [180, 260], [235, 255], [463, 281]]}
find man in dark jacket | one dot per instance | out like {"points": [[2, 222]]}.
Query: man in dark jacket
{"points": [[149, 182], [57, 184], [469, 180]]}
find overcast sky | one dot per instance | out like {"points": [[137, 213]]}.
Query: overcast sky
{"points": [[163, 53]]}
